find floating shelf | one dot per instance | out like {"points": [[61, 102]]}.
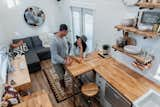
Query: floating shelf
{"points": [[148, 34], [136, 57], [148, 5]]}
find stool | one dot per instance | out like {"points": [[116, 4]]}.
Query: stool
{"points": [[90, 90]]}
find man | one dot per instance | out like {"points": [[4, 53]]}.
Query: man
{"points": [[59, 53]]}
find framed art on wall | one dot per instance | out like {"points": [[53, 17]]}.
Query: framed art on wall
{"points": [[34, 16]]}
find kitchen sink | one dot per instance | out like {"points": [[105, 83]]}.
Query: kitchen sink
{"points": [[150, 99]]}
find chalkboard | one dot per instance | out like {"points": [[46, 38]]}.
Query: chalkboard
{"points": [[150, 17]]}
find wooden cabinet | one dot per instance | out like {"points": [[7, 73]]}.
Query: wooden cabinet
{"points": [[115, 98], [101, 82]]}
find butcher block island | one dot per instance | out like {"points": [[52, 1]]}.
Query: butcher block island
{"points": [[125, 83]]}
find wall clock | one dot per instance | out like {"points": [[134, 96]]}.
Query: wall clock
{"points": [[129, 2]]}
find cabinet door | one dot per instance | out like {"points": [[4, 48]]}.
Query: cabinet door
{"points": [[115, 98], [119, 101], [108, 94]]}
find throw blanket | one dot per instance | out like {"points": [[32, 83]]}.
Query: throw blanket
{"points": [[3, 70]]}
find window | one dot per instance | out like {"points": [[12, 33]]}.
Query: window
{"points": [[12, 3], [82, 20]]}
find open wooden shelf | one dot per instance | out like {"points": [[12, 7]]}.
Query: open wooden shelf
{"points": [[136, 57], [148, 5], [148, 34]]}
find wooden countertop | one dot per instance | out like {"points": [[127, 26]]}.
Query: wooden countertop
{"points": [[38, 99], [129, 83], [20, 76], [92, 61]]}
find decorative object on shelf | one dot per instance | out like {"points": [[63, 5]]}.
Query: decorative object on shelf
{"points": [[34, 16], [145, 27], [128, 22], [141, 58], [142, 67], [106, 49], [155, 28], [148, 58], [132, 49], [147, 19], [143, 1], [129, 2], [121, 42], [155, 1]]}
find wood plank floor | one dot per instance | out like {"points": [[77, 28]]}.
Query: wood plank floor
{"points": [[39, 82]]}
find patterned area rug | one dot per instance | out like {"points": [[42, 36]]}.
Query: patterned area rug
{"points": [[58, 91], [61, 94]]}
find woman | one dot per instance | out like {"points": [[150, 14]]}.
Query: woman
{"points": [[80, 50], [80, 46]]}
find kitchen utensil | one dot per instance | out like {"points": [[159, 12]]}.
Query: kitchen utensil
{"points": [[132, 49], [121, 42]]}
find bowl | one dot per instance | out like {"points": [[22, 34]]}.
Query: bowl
{"points": [[145, 27], [132, 49]]}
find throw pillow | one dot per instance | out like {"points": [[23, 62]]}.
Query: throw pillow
{"points": [[21, 49]]}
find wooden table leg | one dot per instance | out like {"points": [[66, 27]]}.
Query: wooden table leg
{"points": [[73, 89]]}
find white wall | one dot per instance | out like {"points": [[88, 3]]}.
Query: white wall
{"points": [[3, 38], [109, 13], [12, 18]]}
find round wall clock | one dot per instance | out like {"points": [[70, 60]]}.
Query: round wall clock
{"points": [[34, 16], [130, 2]]}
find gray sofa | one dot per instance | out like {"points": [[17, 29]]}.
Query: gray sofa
{"points": [[36, 52]]}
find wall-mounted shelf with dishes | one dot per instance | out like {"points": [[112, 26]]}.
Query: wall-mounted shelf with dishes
{"points": [[148, 5], [141, 62], [147, 34]]}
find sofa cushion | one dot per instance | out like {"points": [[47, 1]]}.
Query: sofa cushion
{"points": [[43, 53], [36, 41], [42, 50], [33, 61], [25, 40], [31, 57]]}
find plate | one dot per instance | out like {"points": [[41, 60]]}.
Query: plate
{"points": [[132, 49], [130, 2]]}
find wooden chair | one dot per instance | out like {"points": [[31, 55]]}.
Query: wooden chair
{"points": [[90, 90]]}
